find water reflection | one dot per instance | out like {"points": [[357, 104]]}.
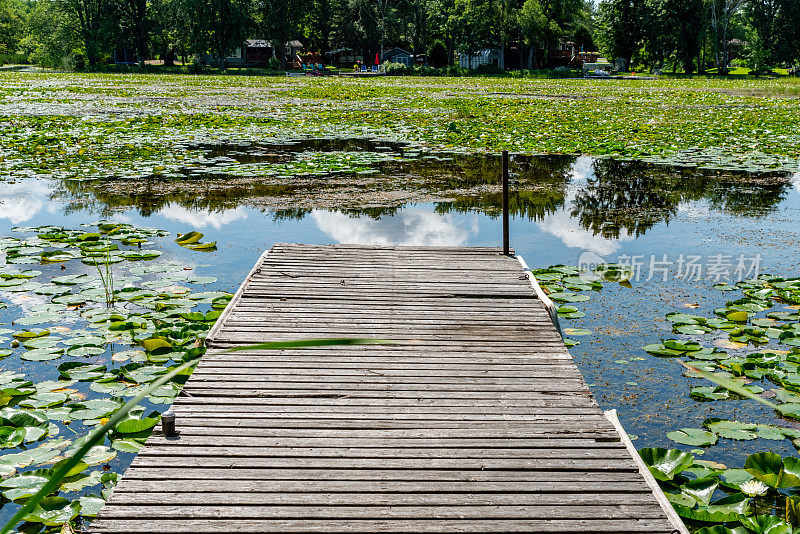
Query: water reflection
{"points": [[629, 198], [202, 219], [538, 186], [561, 207], [409, 227], [587, 203], [621, 197], [21, 201], [574, 234]]}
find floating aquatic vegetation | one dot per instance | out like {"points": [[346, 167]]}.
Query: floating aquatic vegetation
{"points": [[760, 361], [192, 240], [747, 323], [127, 325], [708, 495], [145, 126], [759, 498], [555, 280]]}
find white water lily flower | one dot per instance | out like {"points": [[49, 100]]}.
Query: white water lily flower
{"points": [[753, 488]]}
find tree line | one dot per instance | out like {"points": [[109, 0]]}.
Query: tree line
{"points": [[682, 35]]}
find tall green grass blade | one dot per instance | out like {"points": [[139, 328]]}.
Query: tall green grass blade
{"points": [[730, 385], [277, 345]]}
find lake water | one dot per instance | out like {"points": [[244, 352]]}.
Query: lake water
{"points": [[566, 210]]}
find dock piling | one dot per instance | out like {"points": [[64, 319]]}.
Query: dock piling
{"points": [[505, 204], [168, 423]]}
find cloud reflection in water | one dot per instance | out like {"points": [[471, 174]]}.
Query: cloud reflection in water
{"points": [[408, 227], [202, 218], [568, 228], [21, 201]]}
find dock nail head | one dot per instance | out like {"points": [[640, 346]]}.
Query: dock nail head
{"points": [[168, 423]]}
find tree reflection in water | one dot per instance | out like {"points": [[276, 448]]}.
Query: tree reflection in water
{"points": [[633, 196], [538, 188], [607, 197]]}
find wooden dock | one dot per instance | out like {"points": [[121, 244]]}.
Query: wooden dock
{"points": [[478, 422]]}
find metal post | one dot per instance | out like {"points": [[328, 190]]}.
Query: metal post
{"points": [[168, 423], [505, 203]]}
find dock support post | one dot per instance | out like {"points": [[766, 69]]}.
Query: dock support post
{"points": [[168, 423], [505, 203]]}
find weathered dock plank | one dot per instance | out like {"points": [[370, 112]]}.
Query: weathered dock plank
{"points": [[477, 420]]}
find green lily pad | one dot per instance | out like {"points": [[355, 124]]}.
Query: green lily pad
{"points": [[23, 485], [77, 483], [711, 393], [694, 437], [91, 505], [731, 429], [577, 331], [721, 511], [766, 524], [30, 334], [41, 355], [774, 471], [737, 316], [188, 238], [155, 343], [658, 349], [85, 350], [134, 426], [701, 489], [692, 330], [99, 454], [127, 445], [664, 464], [212, 246]]}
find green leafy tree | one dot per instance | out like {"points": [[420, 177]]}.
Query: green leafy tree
{"points": [[414, 17], [764, 17], [220, 26], [345, 31], [722, 14], [787, 34], [562, 17], [757, 53], [507, 27], [686, 20], [658, 39], [475, 25], [370, 21], [533, 27], [443, 20], [380, 14], [94, 19], [620, 28], [280, 22], [52, 35], [12, 25], [132, 25], [170, 30], [316, 25]]}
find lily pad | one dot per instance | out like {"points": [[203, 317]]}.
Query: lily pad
{"points": [[694, 437], [664, 464]]}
